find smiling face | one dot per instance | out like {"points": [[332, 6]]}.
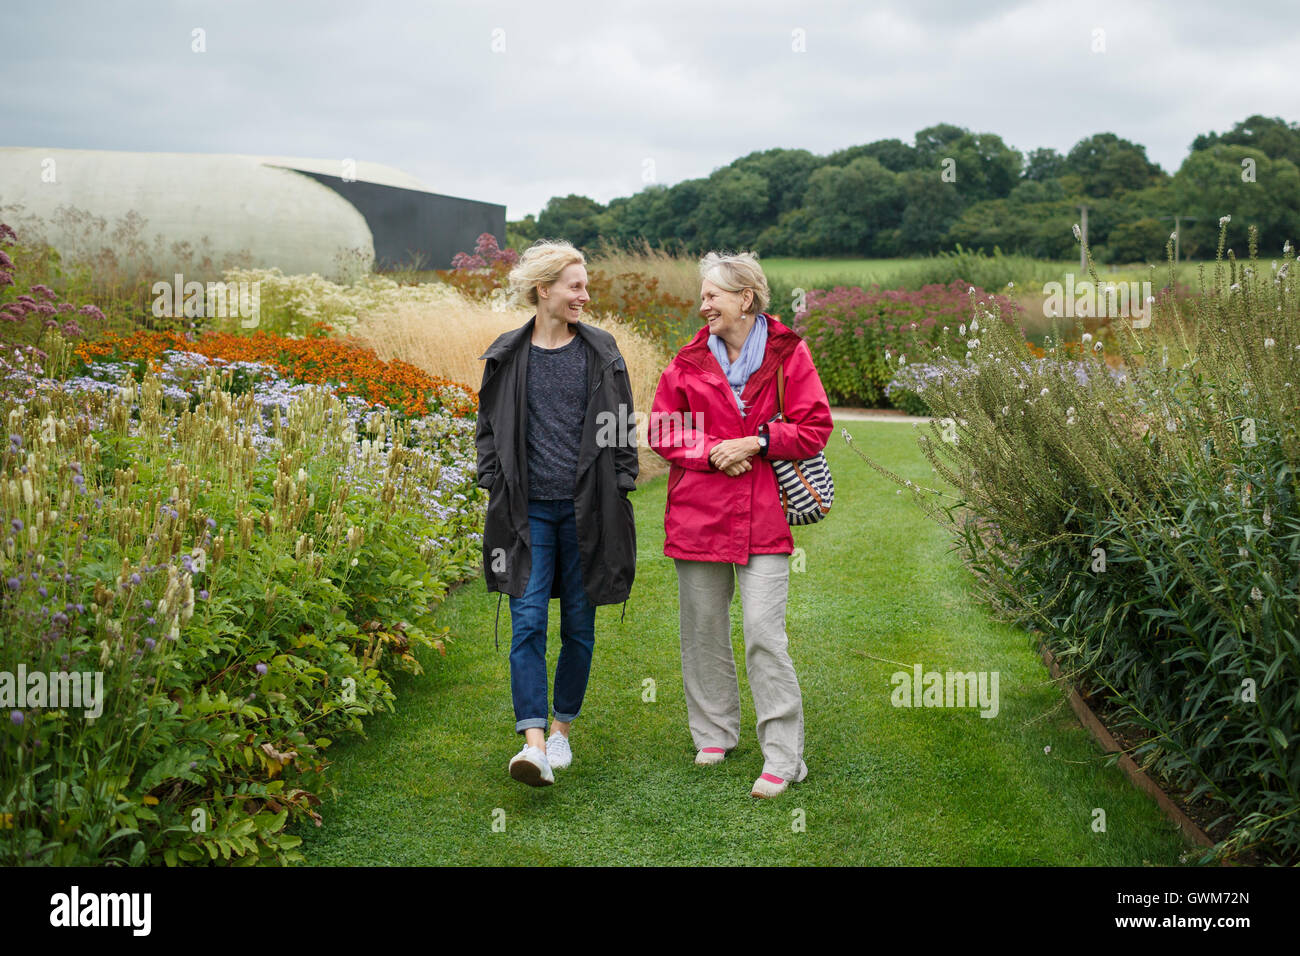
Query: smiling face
{"points": [[725, 311], [566, 296]]}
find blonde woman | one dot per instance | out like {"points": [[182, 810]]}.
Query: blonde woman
{"points": [[559, 523], [724, 520]]}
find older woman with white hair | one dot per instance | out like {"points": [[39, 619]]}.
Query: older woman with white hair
{"points": [[558, 520], [713, 421]]}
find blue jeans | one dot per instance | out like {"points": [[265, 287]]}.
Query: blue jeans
{"points": [[553, 532]]}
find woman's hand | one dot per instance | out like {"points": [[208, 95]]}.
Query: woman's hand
{"points": [[727, 455]]}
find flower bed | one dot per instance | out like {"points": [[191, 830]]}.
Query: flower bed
{"points": [[853, 333], [245, 557], [352, 369]]}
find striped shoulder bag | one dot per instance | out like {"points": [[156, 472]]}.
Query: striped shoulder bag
{"points": [[807, 489]]}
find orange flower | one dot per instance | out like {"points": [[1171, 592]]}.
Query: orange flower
{"points": [[316, 360]]}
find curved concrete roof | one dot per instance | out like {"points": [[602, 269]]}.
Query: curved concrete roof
{"points": [[231, 209]]}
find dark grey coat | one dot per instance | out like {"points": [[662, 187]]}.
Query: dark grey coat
{"points": [[607, 469]]}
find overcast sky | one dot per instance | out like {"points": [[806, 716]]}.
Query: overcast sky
{"points": [[514, 103]]}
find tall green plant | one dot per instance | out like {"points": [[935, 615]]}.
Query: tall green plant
{"points": [[1145, 526]]}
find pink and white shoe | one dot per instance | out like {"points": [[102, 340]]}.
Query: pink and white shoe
{"points": [[770, 785], [710, 755]]}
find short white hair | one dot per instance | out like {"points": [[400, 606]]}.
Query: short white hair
{"points": [[736, 273]]}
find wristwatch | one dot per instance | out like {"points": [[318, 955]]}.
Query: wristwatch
{"points": [[762, 440]]}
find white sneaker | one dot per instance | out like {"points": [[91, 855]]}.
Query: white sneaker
{"points": [[531, 767], [710, 755], [558, 752], [770, 785]]}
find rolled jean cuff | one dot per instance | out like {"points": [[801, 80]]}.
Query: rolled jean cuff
{"points": [[529, 723], [565, 718]]}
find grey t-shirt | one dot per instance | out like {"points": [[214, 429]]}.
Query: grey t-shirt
{"points": [[557, 406]]}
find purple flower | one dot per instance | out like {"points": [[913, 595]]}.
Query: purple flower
{"points": [[135, 578], [212, 523], [147, 604], [261, 669], [16, 716], [150, 643], [42, 592], [14, 583], [151, 621], [203, 595], [16, 524]]}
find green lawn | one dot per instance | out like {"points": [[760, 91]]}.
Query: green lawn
{"points": [[886, 785]]}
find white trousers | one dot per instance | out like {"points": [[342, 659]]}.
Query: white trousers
{"points": [[704, 590]]}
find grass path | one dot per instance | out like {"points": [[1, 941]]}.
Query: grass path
{"points": [[886, 785]]}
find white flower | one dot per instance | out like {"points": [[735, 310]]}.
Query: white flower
{"points": [[1011, 285], [972, 343], [1087, 337], [1173, 236], [1043, 392], [1048, 748], [1170, 425], [1097, 347], [1269, 343], [968, 356], [1078, 233], [902, 360], [971, 289], [1256, 594], [961, 329], [974, 326], [1006, 410], [1224, 220], [1069, 415], [1243, 552], [1268, 517]]}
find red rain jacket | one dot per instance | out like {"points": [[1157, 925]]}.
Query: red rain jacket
{"points": [[710, 516]]}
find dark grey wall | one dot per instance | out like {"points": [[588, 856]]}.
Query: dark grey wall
{"points": [[407, 221]]}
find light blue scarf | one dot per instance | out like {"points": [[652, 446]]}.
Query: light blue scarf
{"points": [[750, 358]]}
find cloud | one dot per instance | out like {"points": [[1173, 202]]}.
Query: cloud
{"points": [[518, 102]]}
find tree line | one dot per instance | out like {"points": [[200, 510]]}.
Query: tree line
{"points": [[952, 186]]}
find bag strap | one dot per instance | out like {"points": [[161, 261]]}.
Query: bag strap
{"points": [[780, 410], [780, 391]]}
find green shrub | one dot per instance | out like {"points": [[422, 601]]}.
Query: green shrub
{"points": [[1145, 524]]}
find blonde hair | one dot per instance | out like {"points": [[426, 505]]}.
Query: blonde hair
{"points": [[736, 273], [541, 264]]}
